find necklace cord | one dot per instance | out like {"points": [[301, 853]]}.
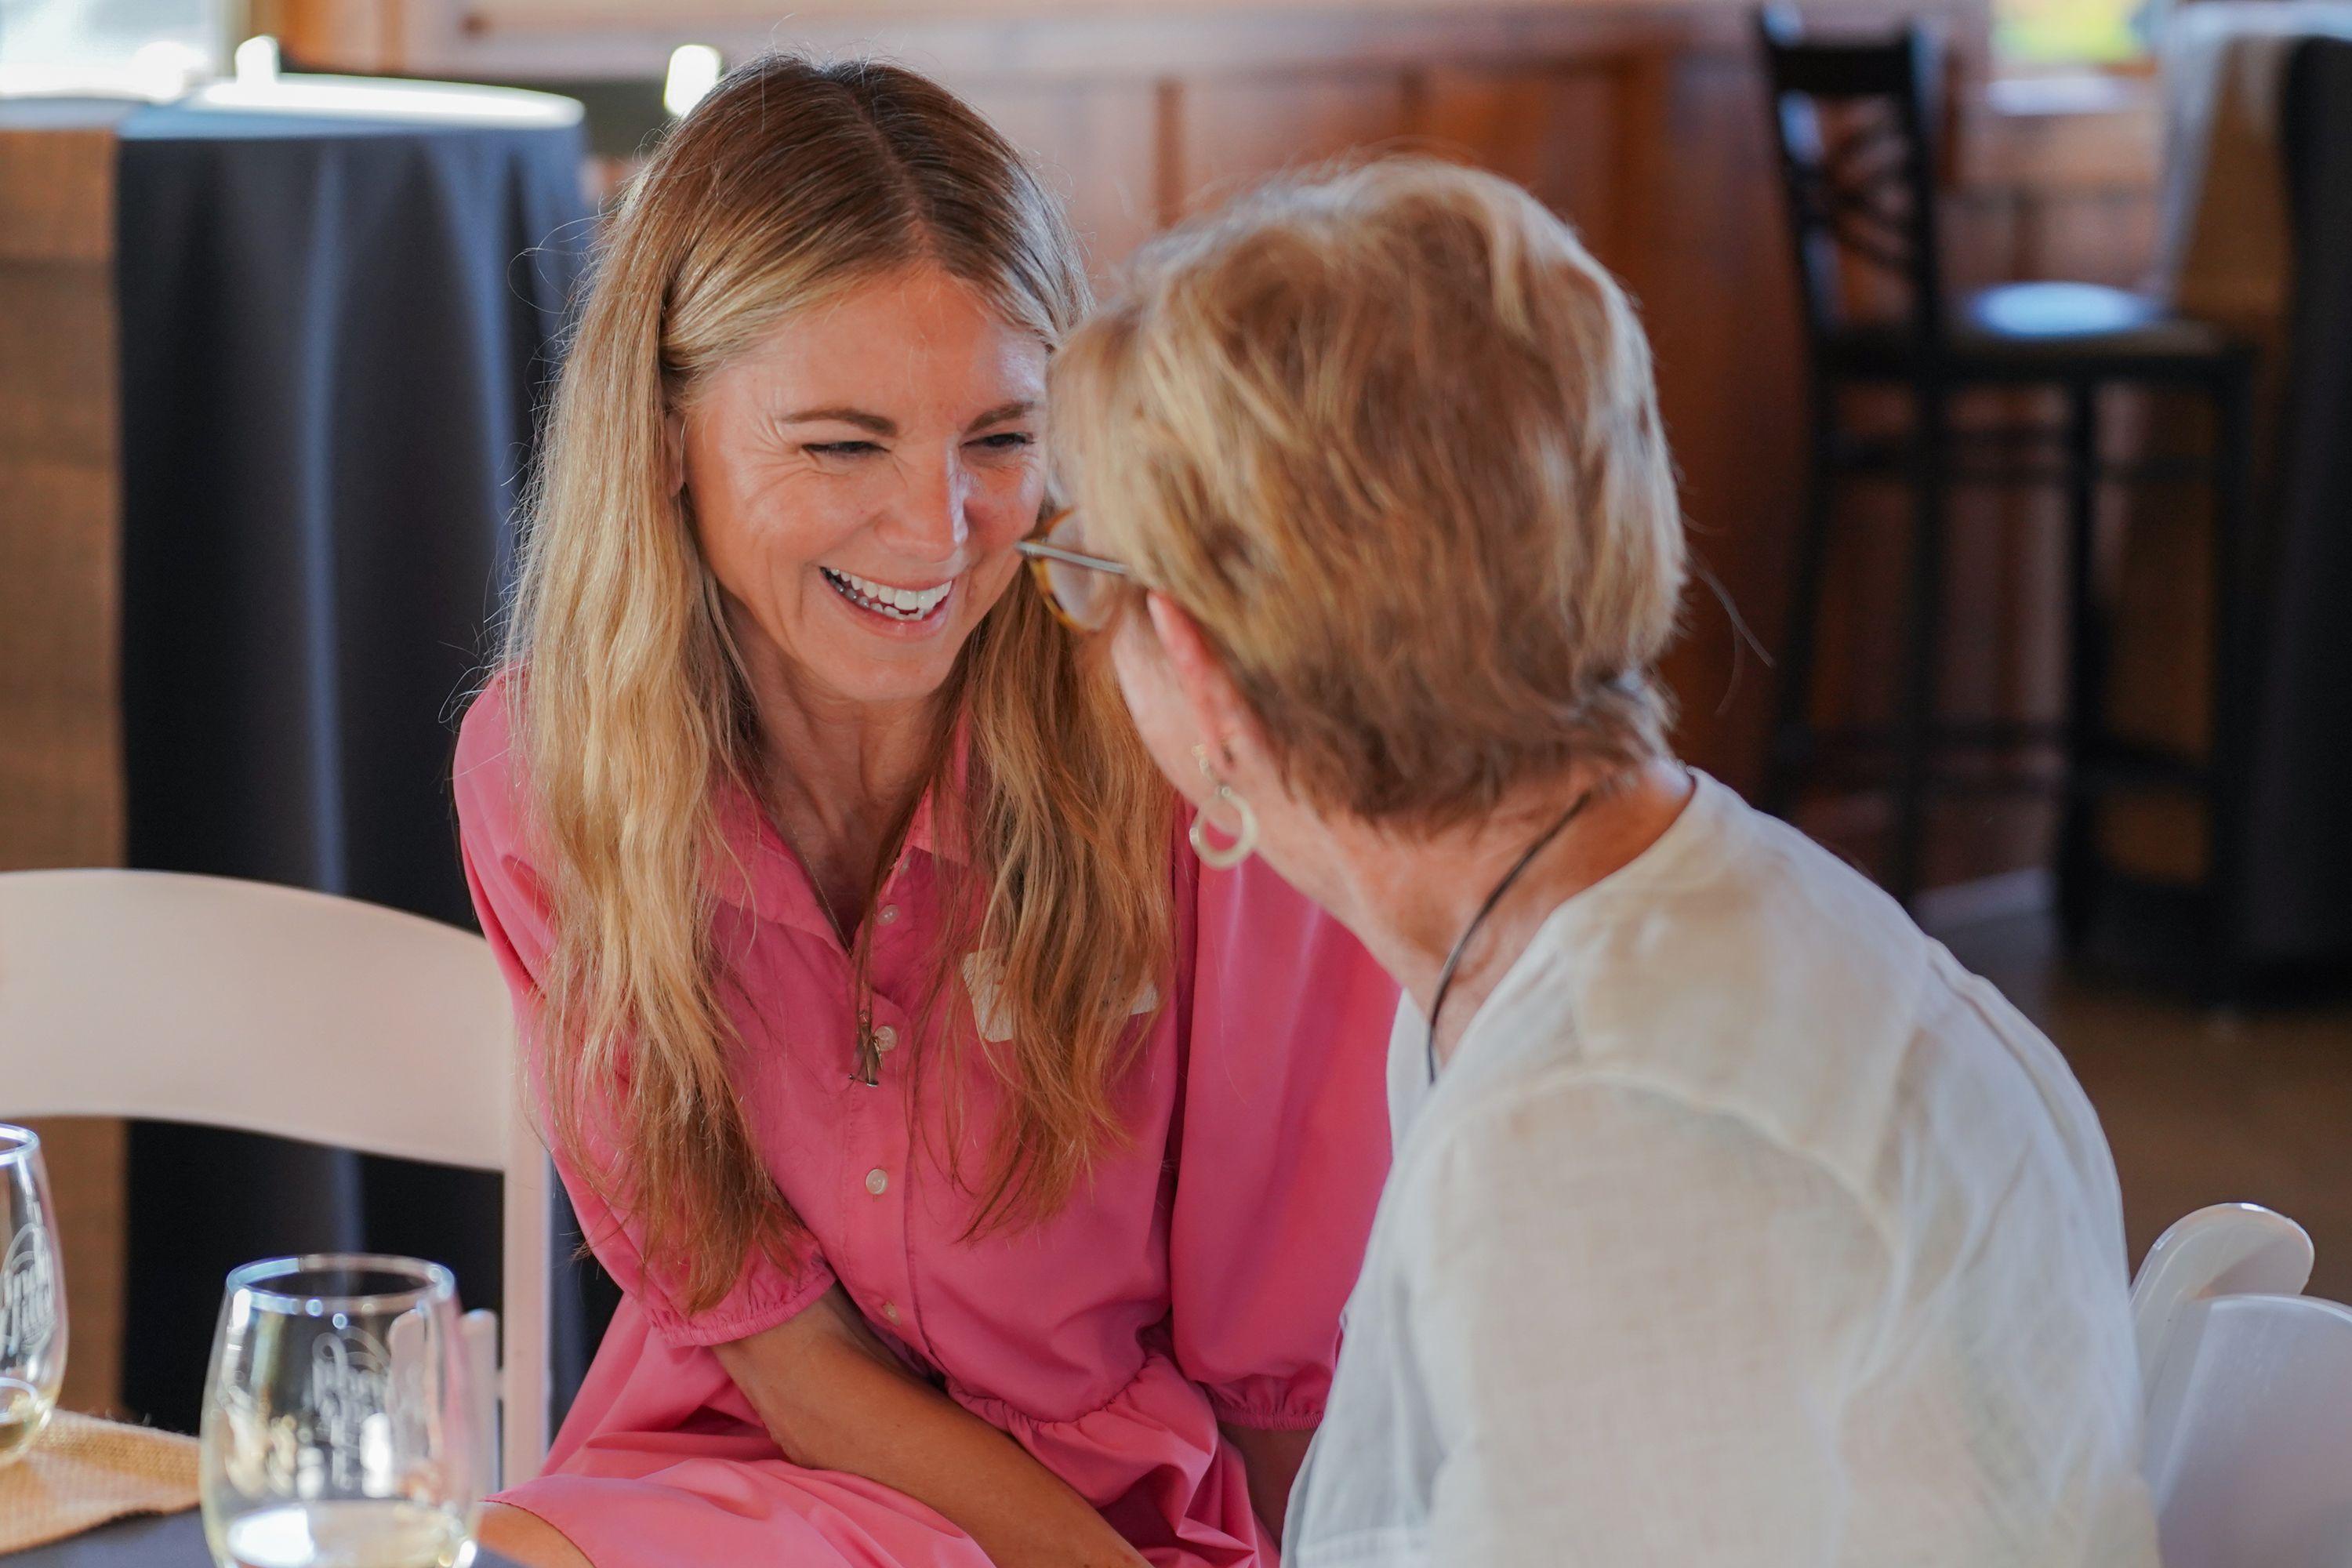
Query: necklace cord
{"points": [[868, 1070], [1461, 943]]}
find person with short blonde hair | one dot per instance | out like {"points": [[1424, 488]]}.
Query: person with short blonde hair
{"points": [[1730, 1220], [1431, 476]]}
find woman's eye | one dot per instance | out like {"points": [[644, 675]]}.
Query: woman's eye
{"points": [[1007, 441], [840, 448]]}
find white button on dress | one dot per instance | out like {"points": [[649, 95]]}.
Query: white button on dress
{"points": [[877, 1181]]}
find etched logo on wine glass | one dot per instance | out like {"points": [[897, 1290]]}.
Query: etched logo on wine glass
{"points": [[28, 1299], [351, 1383]]}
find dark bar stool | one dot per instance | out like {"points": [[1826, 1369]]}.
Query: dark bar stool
{"points": [[1854, 121]]}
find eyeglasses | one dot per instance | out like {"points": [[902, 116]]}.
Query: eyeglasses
{"points": [[1079, 588]]}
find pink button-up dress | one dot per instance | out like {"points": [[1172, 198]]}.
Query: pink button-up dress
{"points": [[1198, 1279]]}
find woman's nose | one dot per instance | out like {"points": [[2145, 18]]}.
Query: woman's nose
{"points": [[928, 523]]}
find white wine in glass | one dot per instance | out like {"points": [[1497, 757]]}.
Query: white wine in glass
{"points": [[340, 1427], [32, 1296], [347, 1534]]}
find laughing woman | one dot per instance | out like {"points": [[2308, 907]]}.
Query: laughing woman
{"points": [[946, 1124]]}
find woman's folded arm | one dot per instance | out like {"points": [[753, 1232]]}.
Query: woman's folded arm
{"points": [[835, 1398], [1271, 1459]]}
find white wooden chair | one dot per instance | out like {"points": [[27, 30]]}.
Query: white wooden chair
{"points": [[2249, 1383], [270, 1009]]}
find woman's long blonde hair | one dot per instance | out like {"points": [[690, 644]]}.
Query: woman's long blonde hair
{"points": [[791, 183]]}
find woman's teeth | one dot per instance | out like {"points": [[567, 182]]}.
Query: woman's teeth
{"points": [[899, 603]]}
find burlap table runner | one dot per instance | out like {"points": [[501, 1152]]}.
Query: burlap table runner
{"points": [[84, 1472]]}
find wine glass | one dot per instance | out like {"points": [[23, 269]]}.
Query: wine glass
{"points": [[340, 1427], [32, 1296]]}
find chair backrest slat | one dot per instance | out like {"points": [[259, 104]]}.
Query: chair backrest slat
{"points": [[270, 1009], [1853, 122], [244, 1005], [2249, 1390], [2257, 1392]]}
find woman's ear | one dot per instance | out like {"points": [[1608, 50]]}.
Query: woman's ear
{"points": [[674, 452], [1213, 703]]}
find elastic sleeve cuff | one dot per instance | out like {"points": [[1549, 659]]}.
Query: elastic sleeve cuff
{"points": [[740, 1320], [1293, 1417]]}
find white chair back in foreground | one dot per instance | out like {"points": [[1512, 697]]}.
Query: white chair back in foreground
{"points": [[270, 1009], [2249, 1383]]}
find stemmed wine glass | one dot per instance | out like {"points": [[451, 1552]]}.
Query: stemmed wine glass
{"points": [[32, 1296], [340, 1427]]}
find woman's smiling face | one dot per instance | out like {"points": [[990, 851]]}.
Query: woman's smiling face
{"points": [[860, 478]]}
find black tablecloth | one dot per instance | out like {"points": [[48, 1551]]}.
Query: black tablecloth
{"points": [[175, 1543], [335, 333], [2301, 845]]}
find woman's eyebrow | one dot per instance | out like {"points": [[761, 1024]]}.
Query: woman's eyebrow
{"points": [[873, 423], [1002, 412]]}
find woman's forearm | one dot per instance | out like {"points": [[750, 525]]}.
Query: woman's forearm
{"points": [[1270, 1458], [835, 1398]]}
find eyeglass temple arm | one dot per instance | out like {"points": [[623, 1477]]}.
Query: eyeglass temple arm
{"points": [[1036, 549]]}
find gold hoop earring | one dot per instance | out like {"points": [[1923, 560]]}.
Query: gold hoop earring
{"points": [[1224, 857]]}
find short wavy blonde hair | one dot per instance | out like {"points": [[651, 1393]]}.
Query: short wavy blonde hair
{"points": [[1391, 438]]}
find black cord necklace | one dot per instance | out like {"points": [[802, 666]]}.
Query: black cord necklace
{"points": [[1454, 958]]}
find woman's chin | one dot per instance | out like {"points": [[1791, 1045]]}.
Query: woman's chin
{"points": [[890, 662], [887, 683]]}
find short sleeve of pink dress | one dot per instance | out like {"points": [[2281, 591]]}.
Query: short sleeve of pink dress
{"points": [[513, 909], [1197, 1278]]}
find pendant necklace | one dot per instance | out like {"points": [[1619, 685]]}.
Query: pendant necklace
{"points": [[1462, 944], [868, 1070]]}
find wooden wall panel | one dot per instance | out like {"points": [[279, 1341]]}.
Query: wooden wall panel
{"points": [[1556, 129], [60, 756], [1231, 132], [60, 751], [1098, 145], [1710, 275], [58, 400]]}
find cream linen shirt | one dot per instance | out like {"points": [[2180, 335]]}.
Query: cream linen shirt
{"points": [[1744, 1227]]}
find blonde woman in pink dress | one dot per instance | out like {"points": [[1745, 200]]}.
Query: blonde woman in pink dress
{"points": [[984, 1171]]}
